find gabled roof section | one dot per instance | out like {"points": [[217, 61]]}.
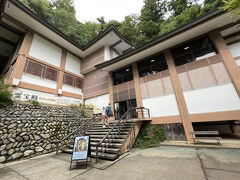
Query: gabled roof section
{"points": [[210, 21], [105, 32], [16, 10]]}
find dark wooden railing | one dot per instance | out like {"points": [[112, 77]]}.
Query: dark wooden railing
{"points": [[81, 130], [117, 127]]}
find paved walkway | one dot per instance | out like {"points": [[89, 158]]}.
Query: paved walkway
{"points": [[154, 163]]}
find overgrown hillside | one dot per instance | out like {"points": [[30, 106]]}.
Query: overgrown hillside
{"points": [[156, 18]]}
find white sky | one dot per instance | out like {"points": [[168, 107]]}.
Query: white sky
{"points": [[89, 10]]}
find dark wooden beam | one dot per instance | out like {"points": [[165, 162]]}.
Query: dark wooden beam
{"points": [[116, 51], [8, 42], [9, 18], [127, 50], [12, 29], [231, 35], [116, 43]]}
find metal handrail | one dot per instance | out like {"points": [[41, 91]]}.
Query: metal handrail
{"points": [[116, 129], [94, 119]]}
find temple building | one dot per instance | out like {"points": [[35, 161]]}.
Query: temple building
{"points": [[188, 77]]}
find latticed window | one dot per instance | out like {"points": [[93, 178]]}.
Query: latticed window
{"points": [[41, 70], [79, 83], [72, 81], [51, 74], [152, 65], [122, 75], [192, 51], [34, 68]]}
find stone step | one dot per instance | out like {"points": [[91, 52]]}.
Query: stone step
{"points": [[111, 125], [105, 156], [111, 145], [112, 150], [107, 150], [115, 140], [108, 129], [104, 133]]}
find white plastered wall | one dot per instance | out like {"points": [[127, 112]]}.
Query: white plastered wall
{"points": [[45, 51], [71, 89], [115, 54], [162, 106], [99, 101], [73, 64], [212, 99], [42, 97], [235, 50], [29, 78], [106, 53]]}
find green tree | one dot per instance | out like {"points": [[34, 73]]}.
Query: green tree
{"points": [[233, 6], [102, 23], [152, 14], [129, 29], [178, 6], [5, 96], [42, 8], [210, 5]]}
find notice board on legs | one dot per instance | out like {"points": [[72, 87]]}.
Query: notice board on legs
{"points": [[81, 149]]}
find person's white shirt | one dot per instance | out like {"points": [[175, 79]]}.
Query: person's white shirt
{"points": [[104, 112]]}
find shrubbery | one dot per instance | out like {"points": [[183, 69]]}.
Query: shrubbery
{"points": [[5, 96], [150, 136]]}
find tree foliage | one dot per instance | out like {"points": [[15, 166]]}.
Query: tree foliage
{"points": [[156, 18], [5, 96], [232, 5]]}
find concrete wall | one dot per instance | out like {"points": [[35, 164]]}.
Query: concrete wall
{"points": [[212, 99], [162, 106], [45, 51]]}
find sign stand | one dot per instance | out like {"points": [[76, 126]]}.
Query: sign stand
{"points": [[81, 150]]}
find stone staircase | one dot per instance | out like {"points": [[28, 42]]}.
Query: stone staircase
{"points": [[111, 141], [97, 133]]}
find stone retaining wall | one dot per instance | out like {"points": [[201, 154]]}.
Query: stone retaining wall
{"points": [[27, 130]]}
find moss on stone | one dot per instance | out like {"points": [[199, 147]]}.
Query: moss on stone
{"points": [[150, 136]]}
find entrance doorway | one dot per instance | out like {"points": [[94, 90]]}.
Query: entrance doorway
{"points": [[120, 108]]}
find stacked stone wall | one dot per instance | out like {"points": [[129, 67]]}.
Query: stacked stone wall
{"points": [[27, 130]]}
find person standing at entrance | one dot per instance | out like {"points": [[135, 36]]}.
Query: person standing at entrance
{"points": [[109, 112], [104, 117]]}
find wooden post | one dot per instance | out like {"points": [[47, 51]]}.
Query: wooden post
{"points": [[21, 60], [187, 124], [137, 88], [228, 60], [111, 93], [61, 72]]}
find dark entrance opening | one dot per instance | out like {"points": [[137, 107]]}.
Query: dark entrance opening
{"points": [[226, 129], [10, 42], [120, 108]]}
